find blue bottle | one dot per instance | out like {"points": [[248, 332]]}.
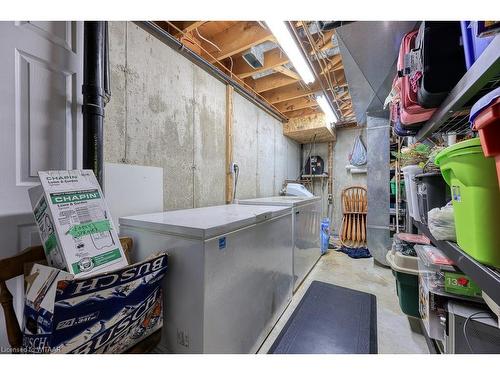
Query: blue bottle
{"points": [[324, 235]]}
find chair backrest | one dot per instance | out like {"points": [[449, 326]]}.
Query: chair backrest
{"points": [[354, 200], [13, 267]]}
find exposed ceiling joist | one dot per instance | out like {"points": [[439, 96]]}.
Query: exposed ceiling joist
{"points": [[288, 72], [303, 112], [325, 41], [188, 26], [236, 39], [290, 92], [295, 104], [294, 91], [271, 82], [223, 42], [272, 59]]}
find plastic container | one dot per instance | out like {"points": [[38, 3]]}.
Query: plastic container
{"points": [[485, 118], [440, 276], [442, 59], [473, 45], [432, 192], [475, 198], [393, 187], [405, 270], [411, 189], [325, 234], [435, 270], [413, 238], [411, 114]]}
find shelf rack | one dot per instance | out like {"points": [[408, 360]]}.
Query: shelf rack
{"points": [[453, 114], [324, 175], [487, 278]]}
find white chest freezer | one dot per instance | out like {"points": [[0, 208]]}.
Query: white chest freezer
{"points": [[306, 225], [229, 276]]}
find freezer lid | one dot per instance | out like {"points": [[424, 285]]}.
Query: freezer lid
{"points": [[205, 222], [280, 200]]}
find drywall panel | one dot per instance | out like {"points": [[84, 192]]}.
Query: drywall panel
{"points": [[132, 189]]}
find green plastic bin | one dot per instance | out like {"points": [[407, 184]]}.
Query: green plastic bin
{"points": [[407, 290], [405, 271], [476, 199], [401, 187]]}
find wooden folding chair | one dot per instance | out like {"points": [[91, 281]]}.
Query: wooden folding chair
{"points": [[14, 266], [354, 208]]}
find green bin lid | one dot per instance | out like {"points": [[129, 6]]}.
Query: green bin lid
{"points": [[446, 153]]}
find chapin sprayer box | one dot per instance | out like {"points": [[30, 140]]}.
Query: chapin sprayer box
{"points": [[74, 223]]}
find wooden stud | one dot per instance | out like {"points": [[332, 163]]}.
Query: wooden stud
{"points": [[330, 171], [229, 143]]}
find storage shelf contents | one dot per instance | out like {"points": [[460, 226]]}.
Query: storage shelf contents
{"points": [[443, 69]]}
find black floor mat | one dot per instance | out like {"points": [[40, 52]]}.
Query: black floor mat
{"points": [[330, 319]]}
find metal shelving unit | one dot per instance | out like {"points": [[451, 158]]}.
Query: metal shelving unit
{"points": [[486, 277], [453, 114]]}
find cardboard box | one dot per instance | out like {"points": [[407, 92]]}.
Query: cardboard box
{"points": [[105, 313], [74, 223]]}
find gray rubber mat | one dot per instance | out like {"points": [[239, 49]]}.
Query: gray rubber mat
{"points": [[330, 319]]}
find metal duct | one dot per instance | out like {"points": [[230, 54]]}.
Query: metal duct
{"points": [[93, 89], [330, 25], [369, 54]]}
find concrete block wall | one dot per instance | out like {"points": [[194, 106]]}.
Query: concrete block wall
{"points": [[167, 112], [341, 177]]}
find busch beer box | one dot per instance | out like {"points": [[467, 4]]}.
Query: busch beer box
{"points": [[104, 313]]}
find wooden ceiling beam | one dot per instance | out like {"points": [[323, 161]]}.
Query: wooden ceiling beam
{"points": [[295, 104], [290, 92], [296, 90], [192, 25], [303, 112], [271, 81], [235, 39], [288, 72], [272, 58], [324, 42]]}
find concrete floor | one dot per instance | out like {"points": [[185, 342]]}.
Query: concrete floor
{"points": [[395, 334]]}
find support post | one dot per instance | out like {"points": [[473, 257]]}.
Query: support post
{"points": [[229, 144]]}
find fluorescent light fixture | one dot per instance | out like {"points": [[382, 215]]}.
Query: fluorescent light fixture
{"points": [[285, 40], [327, 109]]}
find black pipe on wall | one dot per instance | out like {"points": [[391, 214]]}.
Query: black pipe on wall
{"points": [[93, 90]]}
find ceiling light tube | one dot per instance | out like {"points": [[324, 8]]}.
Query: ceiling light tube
{"points": [[288, 44], [327, 109]]}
